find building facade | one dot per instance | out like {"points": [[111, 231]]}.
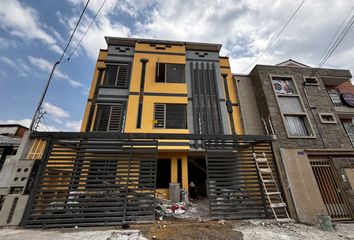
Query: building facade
{"points": [[310, 114], [154, 86]]}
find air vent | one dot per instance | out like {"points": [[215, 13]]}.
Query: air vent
{"points": [[116, 118], [122, 76], [311, 81], [159, 115]]}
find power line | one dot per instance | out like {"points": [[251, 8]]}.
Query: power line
{"points": [[72, 34], [276, 37], [37, 112], [336, 35], [83, 36], [338, 39]]}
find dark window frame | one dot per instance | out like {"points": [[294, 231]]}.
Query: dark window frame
{"points": [[106, 83], [122, 104], [167, 121], [165, 72]]}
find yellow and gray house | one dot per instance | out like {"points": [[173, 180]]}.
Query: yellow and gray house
{"points": [[156, 86], [158, 113]]}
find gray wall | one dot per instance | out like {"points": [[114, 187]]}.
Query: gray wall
{"points": [[251, 119]]}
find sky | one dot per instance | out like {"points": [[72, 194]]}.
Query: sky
{"points": [[33, 35]]}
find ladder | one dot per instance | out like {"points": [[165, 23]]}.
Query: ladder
{"points": [[268, 182]]}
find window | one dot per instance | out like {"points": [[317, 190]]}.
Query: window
{"points": [[334, 94], [349, 128], [170, 116], [327, 118], [283, 85], [291, 107], [117, 75], [110, 117], [311, 81], [296, 125], [170, 73]]}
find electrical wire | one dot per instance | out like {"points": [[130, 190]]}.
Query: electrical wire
{"points": [[72, 34], [83, 36], [338, 39], [276, 37], [335, 36]]}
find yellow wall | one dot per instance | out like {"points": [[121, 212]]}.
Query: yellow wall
{"points": [[102, 56], [174, 174], [225, 68]]}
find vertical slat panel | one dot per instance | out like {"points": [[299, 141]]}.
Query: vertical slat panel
{"points": [[331, 192], [234, 188], [94, 182]]}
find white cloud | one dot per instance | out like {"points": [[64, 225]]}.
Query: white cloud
{"points": [[8, 61], [56, 119], [6, 43], [27, 122], [56, 113], [74, 126], [243, 27], [23, 21], [46, 66], [20, 66]]}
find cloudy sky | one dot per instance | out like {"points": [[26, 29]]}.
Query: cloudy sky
{"points": [[34, 33]]}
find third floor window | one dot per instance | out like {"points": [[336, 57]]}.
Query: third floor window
{"points": [[117, 75], [170, 73]]}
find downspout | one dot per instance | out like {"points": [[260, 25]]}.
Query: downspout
{"points": [[313, 115], [229, 104]]}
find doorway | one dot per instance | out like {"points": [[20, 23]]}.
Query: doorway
{"points": [[197, 174], [330, 188]]}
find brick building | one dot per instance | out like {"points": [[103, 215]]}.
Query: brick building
{"points": [[310, 114]]}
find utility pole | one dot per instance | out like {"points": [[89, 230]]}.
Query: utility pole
{"points": [[42, 97]]}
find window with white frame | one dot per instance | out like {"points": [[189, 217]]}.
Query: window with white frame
{"points": [[327, 118], [296, 125], [291, 107]]}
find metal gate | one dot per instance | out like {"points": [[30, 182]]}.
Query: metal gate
{"points": [[93, 182], [330, 188], [234, 187]]}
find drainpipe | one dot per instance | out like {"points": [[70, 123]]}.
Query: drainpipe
{"points": [[229, 104], [313, 115]]}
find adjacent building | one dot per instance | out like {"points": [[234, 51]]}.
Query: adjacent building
{"points": [[309, 111]]}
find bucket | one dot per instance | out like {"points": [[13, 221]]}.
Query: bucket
{"points": [[325, 222], [175, 192]]}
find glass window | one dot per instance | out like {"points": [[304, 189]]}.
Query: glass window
{"points": [[170, 73], [109, 117], [296, 125], [283, 85], [170, 116], [290, 104], [117, 75], [349, 128], [334, 94]]}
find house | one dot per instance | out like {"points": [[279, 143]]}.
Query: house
{"points": [[156, 86], [309, 112]]}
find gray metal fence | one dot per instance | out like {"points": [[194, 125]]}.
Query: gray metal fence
{"points": [[93, 182]]}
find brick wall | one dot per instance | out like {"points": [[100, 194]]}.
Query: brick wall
{"points": [[317, 101]]}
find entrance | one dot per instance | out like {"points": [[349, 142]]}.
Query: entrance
{"points": [[197, 174], [330, 188]]}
